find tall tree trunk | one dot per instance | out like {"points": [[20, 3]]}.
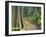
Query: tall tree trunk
{"points": [[18, 8], [22, 10], [14, 16]]}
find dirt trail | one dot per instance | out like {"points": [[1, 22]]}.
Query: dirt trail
{"points": [[28, 25]]}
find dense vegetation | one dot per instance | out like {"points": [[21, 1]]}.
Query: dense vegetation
{"points": [[34, 12]]}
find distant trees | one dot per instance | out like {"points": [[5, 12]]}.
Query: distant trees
{"points": [[34, 13]]}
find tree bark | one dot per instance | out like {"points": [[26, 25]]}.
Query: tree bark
{"points": [[18, 8]]}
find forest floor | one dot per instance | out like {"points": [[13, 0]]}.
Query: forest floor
{"points": [[28, 25]]}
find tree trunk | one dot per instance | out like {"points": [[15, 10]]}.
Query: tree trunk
{"points": [[18, 8]]}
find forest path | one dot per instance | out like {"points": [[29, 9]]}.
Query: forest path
{"points": [[28, 25]]}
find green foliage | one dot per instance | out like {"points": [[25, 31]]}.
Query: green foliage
{"points": [[34, 13], [37, 17]]}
